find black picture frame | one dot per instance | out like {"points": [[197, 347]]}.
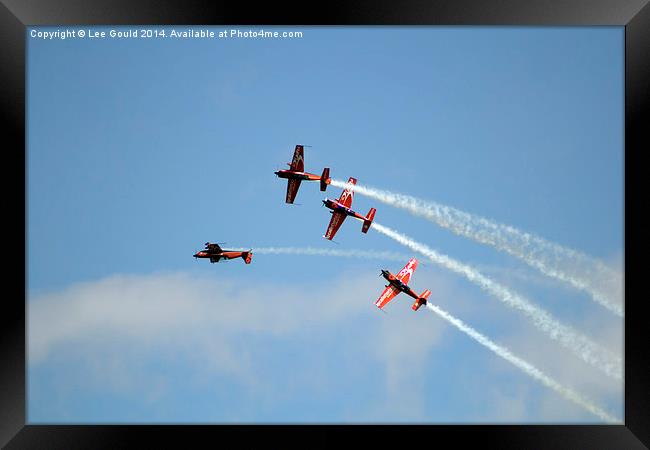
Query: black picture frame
{"points": [[16, 15]]}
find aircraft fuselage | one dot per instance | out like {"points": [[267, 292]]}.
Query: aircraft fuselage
{"points": [[337, 207], [294, 175], [394, 281], [225, 255]]}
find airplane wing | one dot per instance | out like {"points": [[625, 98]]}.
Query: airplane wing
{"points": [[346, 196], [389, 293], [214, 259], [213, 248], [404, 275], [298, 161], [292, 189], [335, 223]]}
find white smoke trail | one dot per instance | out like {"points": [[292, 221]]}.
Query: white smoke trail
{"points": [[587, 350], [579, 270], [526, 367], [352, 253]]}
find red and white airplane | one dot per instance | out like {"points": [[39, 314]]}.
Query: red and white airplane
{"points": [[296, 174], [341, 209], [399, 283], [216, 254]]}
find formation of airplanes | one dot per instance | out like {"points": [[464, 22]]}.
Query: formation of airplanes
{"points": [[340, 210], [340, 207]]}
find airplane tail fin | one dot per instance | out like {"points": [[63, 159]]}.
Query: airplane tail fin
{"points": [[247, 256], [422, 300], [325, 179], [369, 218]]}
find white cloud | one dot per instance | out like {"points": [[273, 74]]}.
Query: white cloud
{"points": [[234, 331], [220, 327]]}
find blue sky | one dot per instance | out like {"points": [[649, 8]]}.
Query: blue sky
{"points": [[140, 150]]}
